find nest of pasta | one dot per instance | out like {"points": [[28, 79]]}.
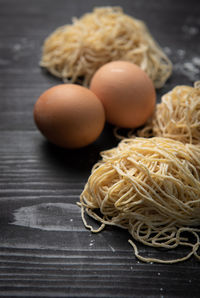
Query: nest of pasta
{"points": [[76, 51], [151, 187], [177, 116]]}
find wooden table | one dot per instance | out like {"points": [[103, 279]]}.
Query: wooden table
{"points": [[45, 251]]}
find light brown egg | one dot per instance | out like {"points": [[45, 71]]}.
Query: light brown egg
{"points": [[69, 115], [127, 93]]}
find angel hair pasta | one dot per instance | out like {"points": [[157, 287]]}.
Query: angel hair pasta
{"points": [[177, 116], [151, 187], [76, 51]]}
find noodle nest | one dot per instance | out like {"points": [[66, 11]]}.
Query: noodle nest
{"points": [[74, 52], [151, 187], [177, 116]]}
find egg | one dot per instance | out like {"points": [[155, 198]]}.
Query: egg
{"points": [[127, 93], [69, 115]]}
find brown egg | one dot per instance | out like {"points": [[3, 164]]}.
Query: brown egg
{"points": [[69, 115], [127, 93]]}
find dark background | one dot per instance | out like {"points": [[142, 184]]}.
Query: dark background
{"points": [[45, 251]]}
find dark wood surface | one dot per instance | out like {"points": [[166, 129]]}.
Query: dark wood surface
{"points": [[45, 251]]}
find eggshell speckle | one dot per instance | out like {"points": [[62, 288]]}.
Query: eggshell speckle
{"points": [[69, 115], [127, 93]]}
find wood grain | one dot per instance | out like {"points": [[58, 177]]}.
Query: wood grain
{"points": [[43, 261]]}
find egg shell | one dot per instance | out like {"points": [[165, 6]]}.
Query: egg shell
{"points": [[69, 115], [127, 93]]}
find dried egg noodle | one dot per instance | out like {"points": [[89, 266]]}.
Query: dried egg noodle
{"points": [[106, 34], [177, 116], [151, 187]]}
